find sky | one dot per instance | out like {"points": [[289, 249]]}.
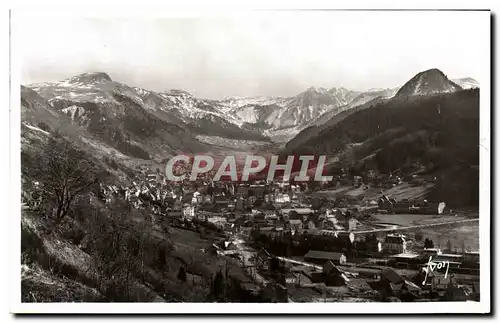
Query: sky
{"points": [[278, 53]]}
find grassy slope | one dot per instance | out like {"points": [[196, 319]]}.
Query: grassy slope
{"points": [[55, 269]]}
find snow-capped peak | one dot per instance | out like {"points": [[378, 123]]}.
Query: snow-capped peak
{"points": [[467, 82], [427, 83], [95, 77]]}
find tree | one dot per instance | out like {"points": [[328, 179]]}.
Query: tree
{"points": [[64, 173], [428, 243], [114, 249]]}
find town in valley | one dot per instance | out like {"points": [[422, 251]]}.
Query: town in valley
{"points": [[378, 202]]}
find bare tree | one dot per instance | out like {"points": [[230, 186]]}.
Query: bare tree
{"points": [[64, 173]]}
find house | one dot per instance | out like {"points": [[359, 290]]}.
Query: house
{"points": [[351, 224], [270, 215], [322, 256], [395, 243], [188, 211], [453, 259], [391, 276], [282, 198], [207, 199], [240, 204], [328, 235], [242, 191], [295, 225], [332, 275], [357, 181], [371, 175], [392, 284], [439, 283]]}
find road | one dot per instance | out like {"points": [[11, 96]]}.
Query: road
{"points": [[400, 228], [403, 272], [297, 262], [247, 254]]}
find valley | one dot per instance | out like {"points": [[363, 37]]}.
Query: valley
{"points": [[395, 156]]}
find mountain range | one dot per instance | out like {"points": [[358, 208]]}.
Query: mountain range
{"points": [[146, 124]]}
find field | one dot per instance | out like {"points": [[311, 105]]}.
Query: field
{"points": [[458, 234], [418, 219], [399, 192]]}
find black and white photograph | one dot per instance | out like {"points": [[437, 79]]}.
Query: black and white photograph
{"points": [[175, 161]]}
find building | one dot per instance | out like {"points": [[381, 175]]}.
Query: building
{"points": [[221, 200], [471, 257], [432, 252], [188, 211], [240, 204], [406, 206], [346, 238], [207, 199], [391, 276], [395, 243], [299, 212], [451, 258], [282, 198], [406, 260], [393, 284], [439, 283], [330, 275], [242, 191], [371, 175], [351, 224], [323, 256]]}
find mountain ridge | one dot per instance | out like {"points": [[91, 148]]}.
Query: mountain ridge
{"points": [[432, 81], [261, 118]]}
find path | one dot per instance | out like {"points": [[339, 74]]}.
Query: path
{"points": [[247, 254]]}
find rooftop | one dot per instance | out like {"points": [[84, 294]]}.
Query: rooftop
{"points": [[405, 255], [316, 254], [392, 276]]}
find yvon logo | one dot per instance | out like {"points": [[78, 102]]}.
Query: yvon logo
{"points": [[434, 266]]}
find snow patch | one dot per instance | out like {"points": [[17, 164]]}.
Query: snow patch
{"points": [[32, 127]]}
